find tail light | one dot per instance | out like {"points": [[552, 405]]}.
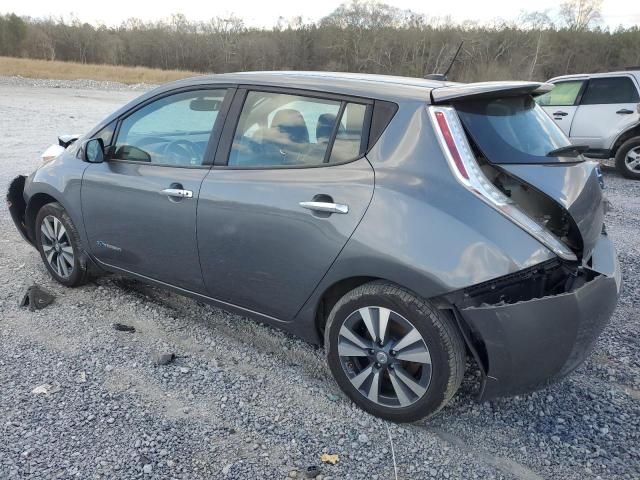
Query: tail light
{"points": [[467, 171]]}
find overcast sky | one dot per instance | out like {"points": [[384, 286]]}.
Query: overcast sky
{"points": [[266, 12]]}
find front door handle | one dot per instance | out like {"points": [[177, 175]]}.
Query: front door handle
{"points": [[177, 192], [624, 111], [325, 207], [560, 113]]}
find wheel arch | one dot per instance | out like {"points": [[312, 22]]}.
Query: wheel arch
{"points": [[36, 202], [623, 137], [332, 294]]}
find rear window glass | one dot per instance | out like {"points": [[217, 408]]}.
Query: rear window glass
{"points": [[512, 130], [279, 129]]}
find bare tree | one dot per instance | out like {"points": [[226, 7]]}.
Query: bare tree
{"points": [[361, 35], [581, 14]]}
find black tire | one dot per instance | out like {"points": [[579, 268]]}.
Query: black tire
{"points": [[621, 156], [78, 274], [438, 331]]}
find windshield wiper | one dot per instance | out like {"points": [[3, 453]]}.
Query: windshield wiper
{"points": [[569, 149]]}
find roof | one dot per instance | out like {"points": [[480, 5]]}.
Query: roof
{"points": [[357, 84], [578, 76]]}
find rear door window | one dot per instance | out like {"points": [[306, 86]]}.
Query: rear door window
{"points": [[601, 91], [512, 130], [563, 94], [279, 130]]}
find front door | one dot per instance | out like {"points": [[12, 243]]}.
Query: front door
{"points": [[608, 107], [139, 206], [294, 186], [561, 103]]}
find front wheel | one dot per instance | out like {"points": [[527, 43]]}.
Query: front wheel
{"points": [[392, 353], [58, 242], [628, 159]]}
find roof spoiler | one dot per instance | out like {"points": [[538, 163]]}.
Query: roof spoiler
{"points": [[472, 91]]}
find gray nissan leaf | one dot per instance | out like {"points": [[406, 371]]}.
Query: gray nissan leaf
{"points": [[404, 224]]}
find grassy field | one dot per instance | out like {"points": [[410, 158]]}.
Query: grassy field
{"points": [[74, 71]]}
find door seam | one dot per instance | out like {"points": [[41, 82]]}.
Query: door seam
{"points": [[373, 192]]}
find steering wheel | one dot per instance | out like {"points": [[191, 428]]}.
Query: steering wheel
{"points": [[182, 152]]}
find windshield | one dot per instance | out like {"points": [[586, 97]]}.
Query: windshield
{"points": [[514, 130]]}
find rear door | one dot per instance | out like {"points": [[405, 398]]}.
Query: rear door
{"points": [[561, 103], [288, 189], [139, 206], [609, 106]]}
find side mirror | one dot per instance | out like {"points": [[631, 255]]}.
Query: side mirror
{"points": [[94, 151]]}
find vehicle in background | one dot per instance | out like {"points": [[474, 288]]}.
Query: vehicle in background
{"points": [[600, 111], [402, 223]]}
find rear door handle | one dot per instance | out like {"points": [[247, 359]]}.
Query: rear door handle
{"points": [[560, 113], [624, 111], [325, 207], [177, 192]]}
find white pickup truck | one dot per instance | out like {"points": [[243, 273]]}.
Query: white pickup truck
{"points": [[602, 112]]}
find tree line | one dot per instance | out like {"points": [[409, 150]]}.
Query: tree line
{"points": [[359, 36]]}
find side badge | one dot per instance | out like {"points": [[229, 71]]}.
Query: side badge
{"points": [[102, 244]]}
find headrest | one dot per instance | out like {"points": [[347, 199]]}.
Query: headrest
{"points": [[291, 123], [324, 129]]}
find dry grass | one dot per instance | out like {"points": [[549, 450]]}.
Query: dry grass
{"points": [[74, 71]]}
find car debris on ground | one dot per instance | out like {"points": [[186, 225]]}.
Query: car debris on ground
{"points": [[36, 298], [328, 458], [46, 389], [121, 327], [164, 358]]}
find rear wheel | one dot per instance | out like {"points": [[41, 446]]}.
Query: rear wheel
{"points": [[392, 353], [628, 159], [58, 242]]}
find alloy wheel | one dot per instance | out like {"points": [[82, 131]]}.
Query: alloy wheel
{"points": [[632, 160], [384, 356], [56, 246]]}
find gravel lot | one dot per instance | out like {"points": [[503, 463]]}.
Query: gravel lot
{"points": [[244, 400]]}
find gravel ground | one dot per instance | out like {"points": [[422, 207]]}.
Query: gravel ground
{"points": [[73, 84], [244, 400]]}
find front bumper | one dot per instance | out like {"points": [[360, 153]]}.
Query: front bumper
{"points": [[529, 344]]}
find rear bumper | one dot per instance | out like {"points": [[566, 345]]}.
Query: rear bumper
{"points": [[17, 205], [529, 344]]}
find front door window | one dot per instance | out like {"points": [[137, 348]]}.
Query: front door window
{"points": [[173, 130]]}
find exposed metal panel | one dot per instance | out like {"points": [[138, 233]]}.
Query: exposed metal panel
{"points": [[575, 187]]}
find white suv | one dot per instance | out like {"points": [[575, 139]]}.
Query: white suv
{"points": [[602, 112]]}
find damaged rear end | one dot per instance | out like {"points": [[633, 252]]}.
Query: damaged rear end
{"points": [[533, 327]]}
